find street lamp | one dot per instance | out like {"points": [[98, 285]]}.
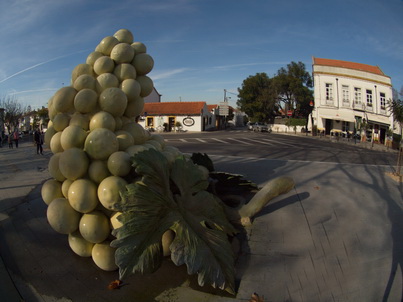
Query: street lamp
{"points": [[311, 104]]}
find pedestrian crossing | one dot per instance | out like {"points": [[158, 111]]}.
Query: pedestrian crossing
{"points": [[245, 141]]}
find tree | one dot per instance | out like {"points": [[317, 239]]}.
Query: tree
{"points": [[396, 107], [13, 112], [257, 98], [41, 117], [261, 97], [292, 86]]}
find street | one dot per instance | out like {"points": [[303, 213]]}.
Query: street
{"points": [[335, 237], [248, 144]]}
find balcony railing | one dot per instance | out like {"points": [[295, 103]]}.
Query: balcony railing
{"points": [[329, 102], [358, 105]]}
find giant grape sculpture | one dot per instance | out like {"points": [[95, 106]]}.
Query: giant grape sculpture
{"points": [[96, 142], [92, 134]]}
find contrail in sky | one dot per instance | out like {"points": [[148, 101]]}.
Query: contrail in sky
{"points": [[39, 64], [32, 90]]}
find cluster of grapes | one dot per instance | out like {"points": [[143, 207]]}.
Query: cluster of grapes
{"points": [[92, 134]]}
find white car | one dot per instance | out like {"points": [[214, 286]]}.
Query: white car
{"points": [[261, 127]]}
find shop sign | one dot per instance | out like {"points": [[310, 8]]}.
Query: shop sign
{"points": [[188, 121]]}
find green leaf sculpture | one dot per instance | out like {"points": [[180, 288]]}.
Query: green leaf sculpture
{"points": [[174, 198]]}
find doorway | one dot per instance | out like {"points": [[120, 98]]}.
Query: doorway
{"points": [[171, 123], [382, 135], [328, 126]]}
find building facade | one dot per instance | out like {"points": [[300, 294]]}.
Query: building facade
{"points": [[165, 116], [351, 97]]}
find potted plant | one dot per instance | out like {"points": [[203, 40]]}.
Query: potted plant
{"points": [[178, 126]]}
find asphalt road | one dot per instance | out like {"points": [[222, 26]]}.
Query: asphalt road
{"points": [[335, 237], [244, 143]]}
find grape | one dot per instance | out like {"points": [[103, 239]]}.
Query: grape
{"points": [[104, 64]]}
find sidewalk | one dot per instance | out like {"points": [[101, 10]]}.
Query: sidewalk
{"points": [[357, 143], [21, 171], [335, 237]]}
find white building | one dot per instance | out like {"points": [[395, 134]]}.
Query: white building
{"points": [[164, 116], [348, 96]]}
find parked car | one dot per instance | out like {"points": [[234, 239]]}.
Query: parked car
{"points": [[249, 125], [261, 127]]}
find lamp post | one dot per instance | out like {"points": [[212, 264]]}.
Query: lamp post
{"points": [[311, 104]]}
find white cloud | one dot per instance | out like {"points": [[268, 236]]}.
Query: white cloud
{"points": [[167, 74]]}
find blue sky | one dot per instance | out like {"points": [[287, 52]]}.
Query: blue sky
{"points": [[200, 47]]}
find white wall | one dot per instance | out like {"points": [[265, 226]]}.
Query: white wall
{"points": [[281, 128], [186, 122]]}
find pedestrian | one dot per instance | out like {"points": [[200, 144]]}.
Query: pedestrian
{"points": [[10, 141], [16, 137], [38, 141]]}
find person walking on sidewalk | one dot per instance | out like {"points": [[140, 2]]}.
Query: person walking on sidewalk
{"points": [[38, 141], [10, 140], [16, 137], [2, 139]]}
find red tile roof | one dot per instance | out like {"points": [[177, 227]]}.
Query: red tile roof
{"points": [[174, 108], [349, 65]]}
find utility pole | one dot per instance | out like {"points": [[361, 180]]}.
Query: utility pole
{"points": [[224, 109]]}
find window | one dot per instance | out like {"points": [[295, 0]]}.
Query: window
{"points": [[382, 100], [369, 98], [329, 92], [357, 95], [346, 94]]}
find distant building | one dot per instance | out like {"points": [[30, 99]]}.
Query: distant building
{"points": [[164, 116], [351, 96], [153, 97]]}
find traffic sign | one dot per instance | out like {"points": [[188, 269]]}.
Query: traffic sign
{"points": [[224, 108]]}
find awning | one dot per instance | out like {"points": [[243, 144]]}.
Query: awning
{"points": [[379, 123], [378, 119], [336, 114], [338, 118]]}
